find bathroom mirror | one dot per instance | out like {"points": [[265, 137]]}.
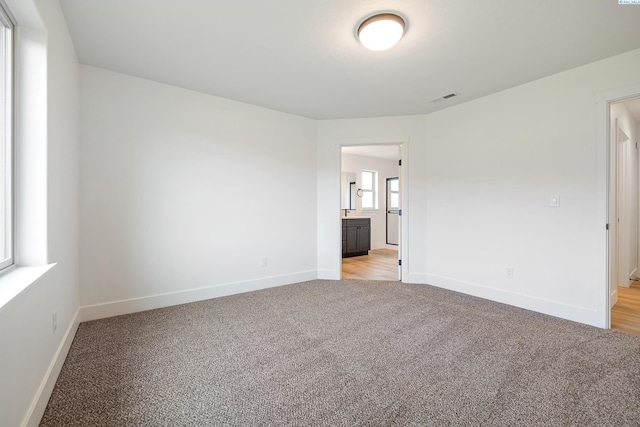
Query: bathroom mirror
{"points": [[348, 193]]}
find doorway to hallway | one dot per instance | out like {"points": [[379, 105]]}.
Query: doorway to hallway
{"points": [[625, 315], [624, 217]]}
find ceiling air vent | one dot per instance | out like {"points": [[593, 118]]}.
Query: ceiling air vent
{"points": [[444, 97]]}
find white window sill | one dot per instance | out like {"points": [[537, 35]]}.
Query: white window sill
{"points": [[19, 278]]}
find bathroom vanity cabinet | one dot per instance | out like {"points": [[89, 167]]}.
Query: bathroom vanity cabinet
{"points": [[356, 236]]}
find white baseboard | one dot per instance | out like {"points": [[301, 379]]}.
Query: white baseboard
{"points": [[632, 275], [329, 275], [134, 305], [39, 403], [382, 245], [540, 305], [415, 278], [613, 298]]}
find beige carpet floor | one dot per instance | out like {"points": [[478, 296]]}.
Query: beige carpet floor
{"points": [[346, 353]]}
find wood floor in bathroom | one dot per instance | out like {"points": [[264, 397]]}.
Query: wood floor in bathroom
{"points": [[380, 264]]}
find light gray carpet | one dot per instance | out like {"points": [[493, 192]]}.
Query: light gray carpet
{"points": [[349, 353]]}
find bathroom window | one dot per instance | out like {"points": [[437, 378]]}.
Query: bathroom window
{"points": [[369, 189], [6, 140]]}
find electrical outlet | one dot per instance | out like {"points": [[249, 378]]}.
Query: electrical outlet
{"points": [[554, 201], [508, 273], [263, 261], [54, 320]]}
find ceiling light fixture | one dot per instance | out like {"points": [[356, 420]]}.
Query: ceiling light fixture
{"points": [[381, 31]]}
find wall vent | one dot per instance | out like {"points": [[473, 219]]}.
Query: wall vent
{"points": [[445, 97]]}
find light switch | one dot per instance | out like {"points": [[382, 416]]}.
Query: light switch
{"points": [[555, 201]]}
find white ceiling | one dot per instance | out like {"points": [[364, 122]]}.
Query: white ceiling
{"points": [[302, 57], [387, 152]]}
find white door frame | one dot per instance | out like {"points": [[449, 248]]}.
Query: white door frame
{"points": [[403, 142], [607, 199], [618, 139]]}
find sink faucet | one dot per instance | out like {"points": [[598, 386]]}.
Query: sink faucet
{"points": [[346, 212]]}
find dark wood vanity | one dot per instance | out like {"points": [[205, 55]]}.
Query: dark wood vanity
{"points": [[356, 236]]}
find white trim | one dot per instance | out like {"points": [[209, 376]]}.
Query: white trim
{"points": [[8, 138], [604, 99], [414, 278], [618, 94], [382, 245], [329, 274], [528, 302], [374, 140], [403, 142], [403, 174], [134, 305], [613, 298], [632, 275], [602, 250], [39, 403]]}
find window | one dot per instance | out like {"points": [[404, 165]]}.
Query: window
{"points": [[369, 189], [393, 191], [6, 140]]}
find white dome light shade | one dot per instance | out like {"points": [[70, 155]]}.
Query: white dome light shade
{"points": [[380, 32]]}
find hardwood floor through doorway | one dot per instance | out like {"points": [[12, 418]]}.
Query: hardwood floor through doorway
{"points": [[380, 264], [625, 315]]}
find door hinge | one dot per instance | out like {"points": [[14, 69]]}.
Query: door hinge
{"points": [[607, 227], [400, 212], [399, 262], [400, 161]]}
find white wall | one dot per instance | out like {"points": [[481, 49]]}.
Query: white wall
{"points": [[386, 169], [493, 165], [481, 176], [184, 193], [28, 360]]}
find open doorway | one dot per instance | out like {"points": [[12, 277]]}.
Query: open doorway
{"points": [[624, 217], [371, 180]]}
